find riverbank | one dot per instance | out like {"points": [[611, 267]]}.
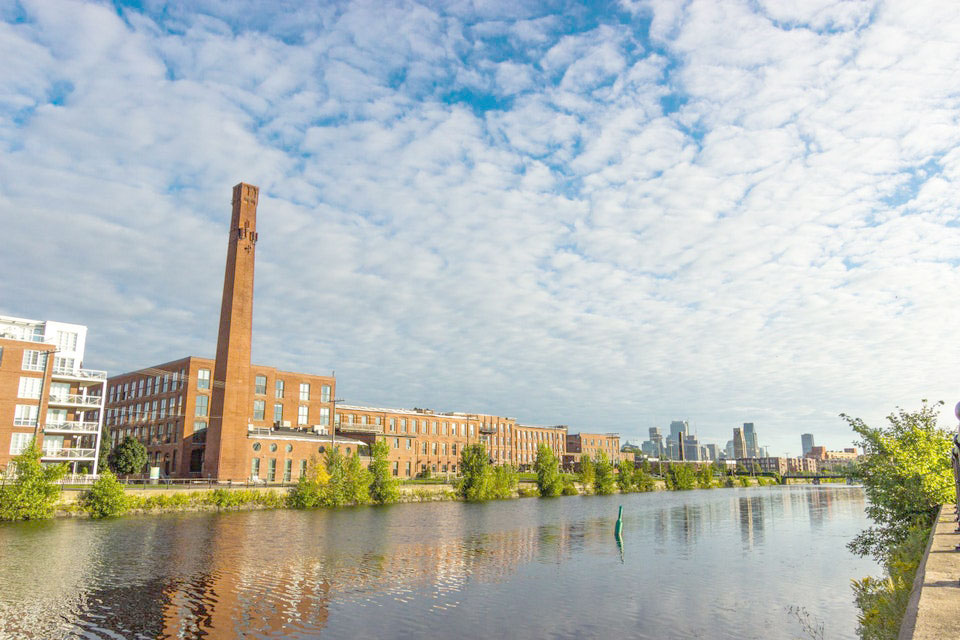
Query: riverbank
{"points": [[933, 611], [156, 500]]}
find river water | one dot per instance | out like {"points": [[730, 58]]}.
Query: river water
{"points": [[722, 563]]}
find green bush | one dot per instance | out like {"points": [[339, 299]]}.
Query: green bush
{"points": [[642, 480], [883, 601], [105, 498], [383, 487], [587, 472], [680, 477], [625, 476], [549, 479], [603, 480], [529, 492], [729, 482], [569, 488], [744, 481], [33, 494], [130, 456], [705, 477], [475, 479], [503, 482]]}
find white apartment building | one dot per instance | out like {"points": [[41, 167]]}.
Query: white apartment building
{"points": [[47, 395]]}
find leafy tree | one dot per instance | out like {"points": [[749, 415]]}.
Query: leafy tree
{"points": [[756, 470], [103, 455], [106, 497], [357, 480], [719, 467], [33, 493], [906, 473], [128, 457], [587, 471], [474, 483], [625, 476], [549, 480], [603, 481], [337, 492], [645, 465], [311, 488], [503, 482], [680, 477], [383, 487], [642, 480], [705, 477]]}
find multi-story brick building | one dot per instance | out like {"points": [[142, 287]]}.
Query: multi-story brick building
{"points": [[527, 438], [591, 444], [47, 395]]}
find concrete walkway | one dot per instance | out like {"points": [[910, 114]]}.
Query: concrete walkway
{"points": [[934, 609]]}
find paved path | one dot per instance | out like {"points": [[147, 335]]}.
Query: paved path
{"points": [[934, 609]]}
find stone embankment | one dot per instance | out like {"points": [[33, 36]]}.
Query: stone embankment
{"points": [[933, 612]]}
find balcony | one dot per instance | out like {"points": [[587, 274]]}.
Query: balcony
{"points": [[11, 334], [76, 400], [71, 426], [69, 454], [488, 428], [91, 375]]}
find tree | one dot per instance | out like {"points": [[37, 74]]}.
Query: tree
{"points": [[128, 457], [336, 494], [603, 481], [474, 483], [587, 471], [311, 488], [357, 480], [106, 498], [642, 480], [680, 477], [625, 476], [103, 455], [503, 482], [383, 487], [33, 493], [705, 477], [906, 474], [549, 480]]}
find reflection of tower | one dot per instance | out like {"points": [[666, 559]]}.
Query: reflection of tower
{"points": [[230, 402], [751, 521]]}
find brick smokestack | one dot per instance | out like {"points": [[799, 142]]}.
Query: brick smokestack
{"points": [[230, 406]]}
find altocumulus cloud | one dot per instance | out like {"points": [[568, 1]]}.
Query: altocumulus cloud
{"points": [[609, 217]]}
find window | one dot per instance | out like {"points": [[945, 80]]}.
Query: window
{"points": [[259, 407], [278, 413], [303, 468], [424, 448], [396, 443], [409, 443], [434, 448], [166, 382], [272, 470], [260, 385], [454, 448], [302, 414], [34, 360], [66, 340], [19, 442], [30, 388], [278, 388], [408, 469], [393, 424], [396, 468], [203, 379], [202, 402], [304, 390], [413, 426], [255, 468], [324, 393], [163, 408], [25, 415], [287, 470], [453, 429], [325, 416]]}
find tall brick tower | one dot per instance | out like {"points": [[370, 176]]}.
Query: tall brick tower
{"points": [[230, 405]]}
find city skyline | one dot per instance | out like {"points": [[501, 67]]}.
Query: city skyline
{"points": [[610, 217]]}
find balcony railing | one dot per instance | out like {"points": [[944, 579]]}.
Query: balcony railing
{"points": [[16, 335], [72, 426], [69, 454], [75, 399], [83, 374]]}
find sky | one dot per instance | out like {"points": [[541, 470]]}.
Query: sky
{"points": [[606, 215]]}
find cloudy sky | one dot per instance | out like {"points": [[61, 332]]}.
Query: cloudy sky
{"points": [[603, 215]]}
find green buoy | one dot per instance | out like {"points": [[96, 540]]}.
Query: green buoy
{"points": [[618, 529]]}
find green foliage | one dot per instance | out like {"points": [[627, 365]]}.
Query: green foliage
{"points": [[528, 492], [705, 477], [603, 480], [357, 480], [503, 482], [625, 476], [128, 457], [569, 489], [744, 481], [680, 477], [883, 601], [103, 455], [549, 480], [906, 473], [105, 498], [383, 487], [730, 481], [311, 488], [642, 480], [587, 471], [474, 484], [337, 492], [33, 493]]}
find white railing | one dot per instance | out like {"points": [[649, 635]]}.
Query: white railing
{"points": [[24, 422], [75, 398], [69, 454], [16, 335], [73, 426], [85, 374]]}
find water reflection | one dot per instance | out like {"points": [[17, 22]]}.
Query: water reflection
{"points": [[291, 574]]}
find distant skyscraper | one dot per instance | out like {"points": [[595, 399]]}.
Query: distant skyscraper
{"points": [[691, 448], [806, 440], [728, 449], [654, 446], [739, 444], [678, 427], [713, 452], [750, 437]]}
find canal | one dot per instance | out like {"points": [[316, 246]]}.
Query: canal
{"points": [[722, 563]]}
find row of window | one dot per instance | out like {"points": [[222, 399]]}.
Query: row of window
{"points": [[19, 441], [436, 448], [445, 467], [149, 385], [260, 388], [157, 410], [155, 434]]}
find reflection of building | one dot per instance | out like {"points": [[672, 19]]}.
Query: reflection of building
{"points": [[751, 520], [45, 393]]}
